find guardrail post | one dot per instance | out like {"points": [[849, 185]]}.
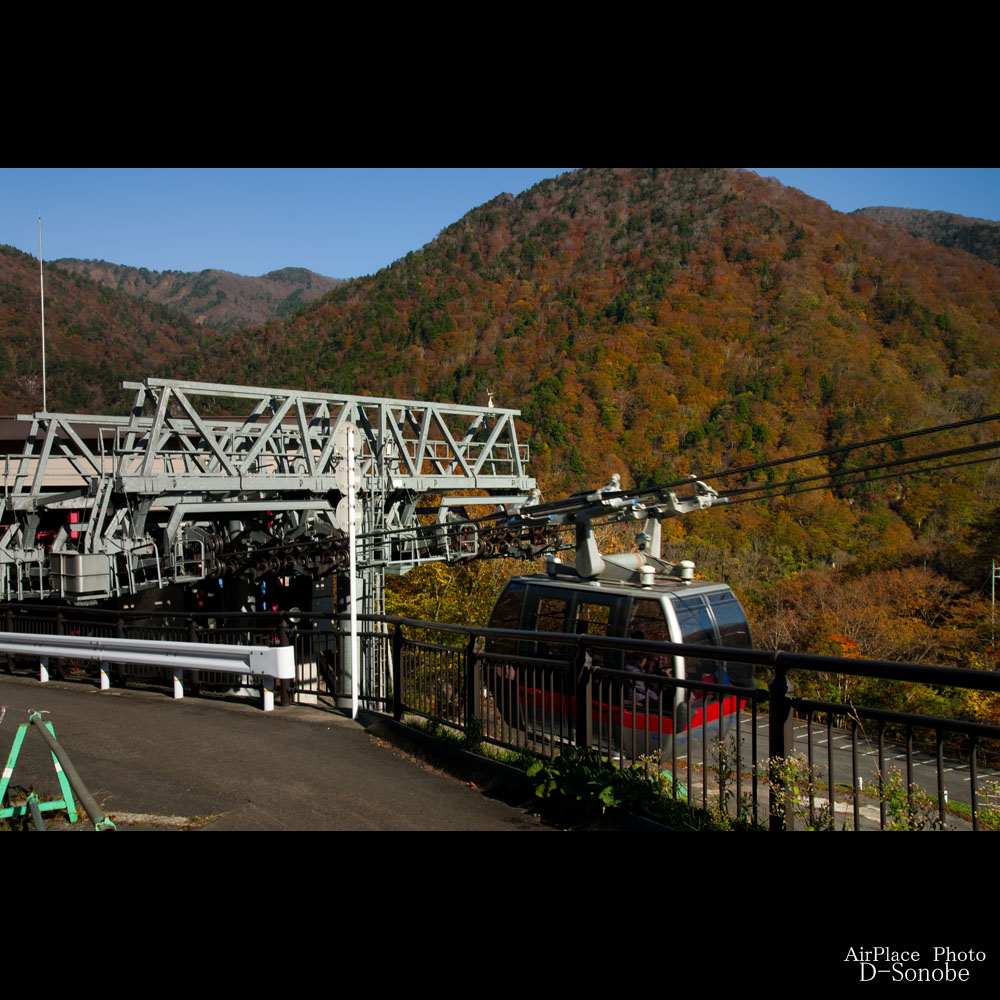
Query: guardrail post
{"points": [[584, 683], [780, 743], [397, 673]]}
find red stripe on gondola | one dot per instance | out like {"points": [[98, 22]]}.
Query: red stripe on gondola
{"points": [[557, 704]]}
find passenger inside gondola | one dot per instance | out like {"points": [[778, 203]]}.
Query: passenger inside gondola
{"points": [[640, 691]]}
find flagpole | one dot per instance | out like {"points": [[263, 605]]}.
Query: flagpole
{"points": [[41, 275]]}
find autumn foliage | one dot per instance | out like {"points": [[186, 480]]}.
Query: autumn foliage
{"points": [[654, 323]]}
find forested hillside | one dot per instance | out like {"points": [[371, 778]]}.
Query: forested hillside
{"points": [[661, 322], [95, 337], [977, 236], [656, 323], [650, 322]]}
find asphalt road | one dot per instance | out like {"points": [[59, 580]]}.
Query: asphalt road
{"points": [[204, 764]]}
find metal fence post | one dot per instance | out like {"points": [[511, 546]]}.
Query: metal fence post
{"points": [[473, 690], [397, 673], [120, 667], [57, 663], [9, 627], [780, 742], [584, 676], [285, 685]]}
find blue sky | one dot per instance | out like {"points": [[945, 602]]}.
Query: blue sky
{"points": [[344, 222], [970, 191]]}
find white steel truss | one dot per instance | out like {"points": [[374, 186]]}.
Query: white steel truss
{"points": [[100, 505]]}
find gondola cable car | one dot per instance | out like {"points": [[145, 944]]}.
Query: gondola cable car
{"points": [[638, 596]]}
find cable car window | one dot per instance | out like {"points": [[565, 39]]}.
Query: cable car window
{"points": [[551, 616], [648, 622], [592, 619], [697, 628], [601, 617], [733, 631], [733, 628], [507, 614], [694, 619]]}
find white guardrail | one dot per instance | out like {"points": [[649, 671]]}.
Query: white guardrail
{"points": [[270, 663]]}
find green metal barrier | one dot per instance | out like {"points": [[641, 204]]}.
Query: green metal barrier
{"points": [[69, 781]]}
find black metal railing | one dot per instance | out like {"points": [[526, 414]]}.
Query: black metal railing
{"points": [[792, 762], [702, 729], [562, 699]]}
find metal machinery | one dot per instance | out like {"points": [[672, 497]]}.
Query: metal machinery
{"points": [[231, 498], [99, 507], [221, 499], [214, 493]]}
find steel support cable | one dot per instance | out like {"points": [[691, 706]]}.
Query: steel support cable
{"points": [[429, 533], [788, 489], [773, 463], [875, 467], [579, 500], [779, 489], [837, 449], [792, 487]]}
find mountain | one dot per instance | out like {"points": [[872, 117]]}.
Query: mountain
{"points": [[976, 236], [95, 338], [664, 322], [651, 322], [218, 299], [655, 322]]}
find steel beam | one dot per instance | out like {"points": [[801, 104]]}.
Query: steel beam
{"points": [[137, 484]]}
